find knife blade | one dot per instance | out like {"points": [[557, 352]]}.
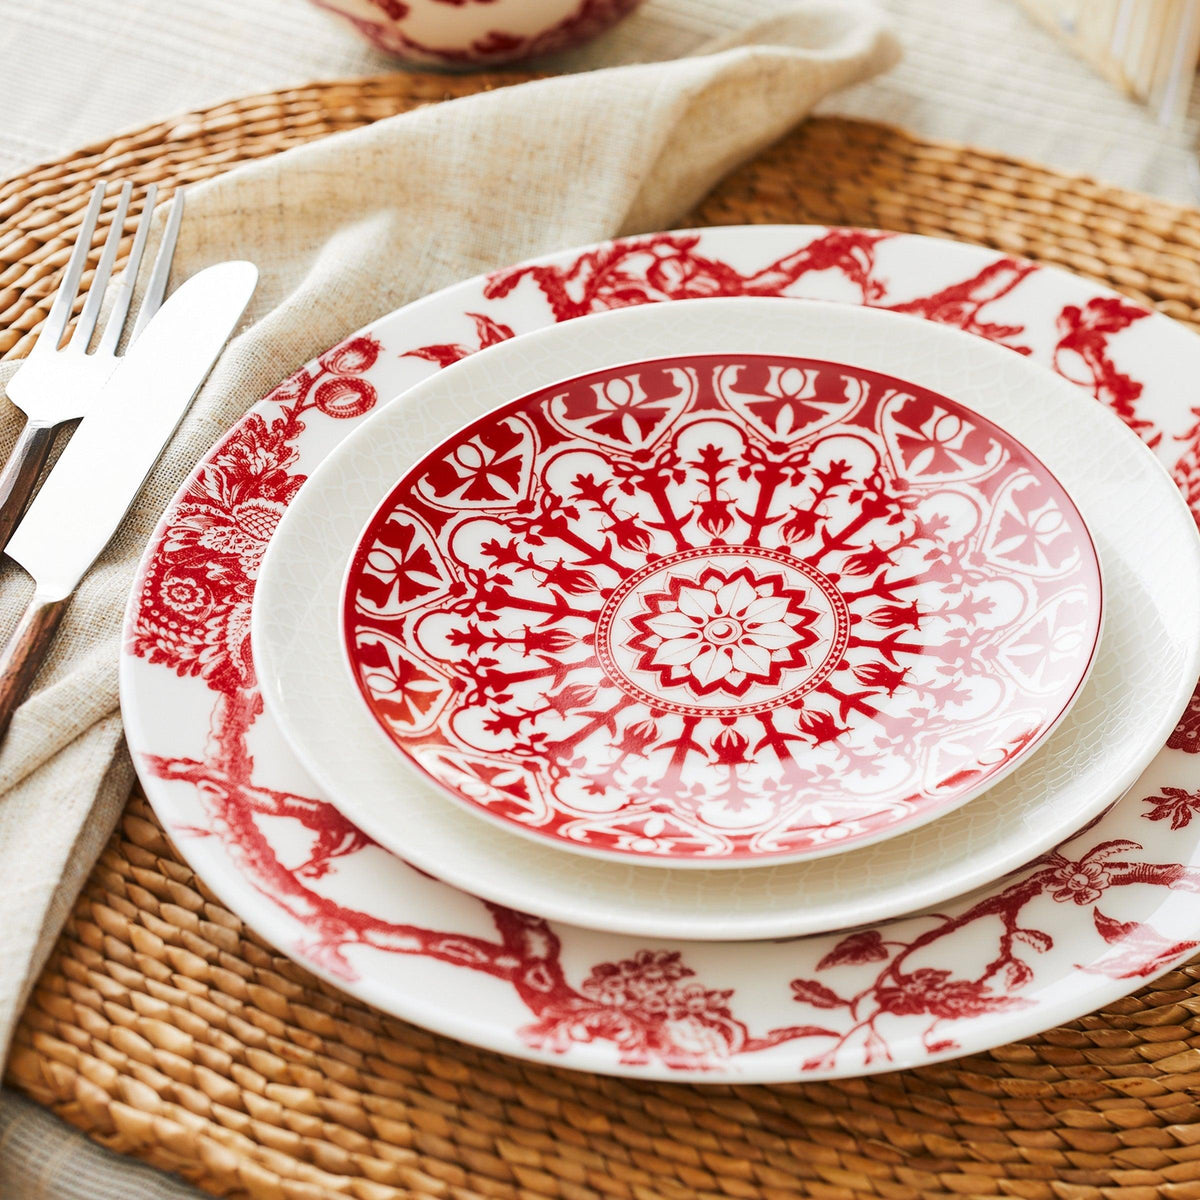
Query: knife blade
{"points": [[86, 495], [98, 476]]}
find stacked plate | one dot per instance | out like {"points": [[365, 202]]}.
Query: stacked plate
{"points": [[549, 703]]}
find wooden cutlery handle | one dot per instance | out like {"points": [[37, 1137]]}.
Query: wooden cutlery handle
{"points": [[19, 477], [23, 655]]}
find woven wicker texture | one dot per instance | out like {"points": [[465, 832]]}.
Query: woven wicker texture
{"points": [[168, 1031]]}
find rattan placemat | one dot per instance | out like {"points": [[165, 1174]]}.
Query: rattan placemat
{"points": [[168, 1031]]}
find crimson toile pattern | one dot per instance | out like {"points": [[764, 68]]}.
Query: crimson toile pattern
{"points": [[192, 619]]}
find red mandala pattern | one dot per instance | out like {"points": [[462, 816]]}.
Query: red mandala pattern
{"points": [[650, 1007], [715, 608], [712, 631]]}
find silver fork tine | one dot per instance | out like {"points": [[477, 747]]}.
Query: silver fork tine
{"points": [[86, 325], [54, 386], [64, 298], [120, 309], [156, 287]]}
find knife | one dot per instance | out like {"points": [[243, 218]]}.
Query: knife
{"points": [[98, 476]]}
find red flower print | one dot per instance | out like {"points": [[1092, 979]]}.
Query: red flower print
{"points": [[187, 596], [196, 590], [1035, 531], [789, 401], [352, 357], [405, 691], [1085, 880], [623, 409], [730, 747], [897, 616], [881, 677], [723, 632], [651, 1007], [934, 991], [822, 727], [869, 561], [629, 534], [939, 441], [1081, 882]]}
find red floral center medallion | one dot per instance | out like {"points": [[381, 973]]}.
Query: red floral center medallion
{"points": [[717, 632]]}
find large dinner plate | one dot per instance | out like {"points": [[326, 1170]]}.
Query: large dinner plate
{"points": [[1110, 908]]}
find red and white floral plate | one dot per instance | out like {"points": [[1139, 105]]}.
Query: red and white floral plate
{"points": [[1108, 909], [1147, 663], [714, 609]]}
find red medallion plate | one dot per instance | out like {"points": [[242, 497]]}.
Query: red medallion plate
{"points": [[722, 609]]}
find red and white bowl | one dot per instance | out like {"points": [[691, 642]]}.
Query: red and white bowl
{"points": [[467, 33]]}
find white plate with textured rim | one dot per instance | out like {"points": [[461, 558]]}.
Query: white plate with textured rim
{"points": [[1124, 712], [1100, 915], [721, 611]]}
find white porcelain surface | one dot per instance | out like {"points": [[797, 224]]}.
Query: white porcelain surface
{"points": [[1148, 663]]}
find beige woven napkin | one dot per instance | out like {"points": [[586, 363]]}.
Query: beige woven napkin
{"points": [[342, 231]]}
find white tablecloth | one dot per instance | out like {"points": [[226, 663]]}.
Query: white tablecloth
{"points": [[977, 71], [77, 70]]}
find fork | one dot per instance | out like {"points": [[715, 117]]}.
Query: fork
{"points": [[55, 382]]}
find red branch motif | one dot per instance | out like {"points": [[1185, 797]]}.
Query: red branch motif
{"points": [[668, 266], [1082, 356], [935, 993], [1187, 470], [1186, 473], [196, 590]]}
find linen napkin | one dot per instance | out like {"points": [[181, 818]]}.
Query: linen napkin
{"points": [[343, 230]]}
